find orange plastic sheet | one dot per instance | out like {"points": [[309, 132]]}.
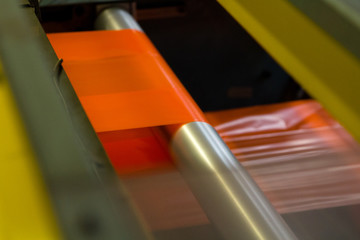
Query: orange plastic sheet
{"points": [[299, 155], [127, 90], [136, 150], [122, 81]]}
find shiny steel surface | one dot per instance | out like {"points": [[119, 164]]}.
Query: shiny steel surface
{"points": [[229, 196], [227, 193], [116, 19]]}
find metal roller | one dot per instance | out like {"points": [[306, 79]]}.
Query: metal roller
{"points": [[116, 19], [226, 192]]}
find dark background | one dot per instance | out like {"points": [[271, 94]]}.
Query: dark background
{"points": [[220, 65]]}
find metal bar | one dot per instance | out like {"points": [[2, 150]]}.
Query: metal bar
{"points": [[340, 19], [86, 194], [116, 19], [231, 199], [324, 67], [50, 3], [227, 193]]}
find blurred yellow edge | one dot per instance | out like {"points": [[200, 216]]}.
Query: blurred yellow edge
{"points": [[25, 211], [327, 71]]}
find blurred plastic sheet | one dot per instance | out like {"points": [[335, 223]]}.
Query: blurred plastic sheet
{"points": [[299, 155]]}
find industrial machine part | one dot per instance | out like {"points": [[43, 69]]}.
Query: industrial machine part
{"points": [[227, 193], [304, 161], [23, 190], [325, 61], [88, 199], [229, 196], [116, 19], [216, 177], [44, 3]]}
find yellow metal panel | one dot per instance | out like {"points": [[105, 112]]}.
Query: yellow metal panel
{"points": [[320, 64], [25, 211]]}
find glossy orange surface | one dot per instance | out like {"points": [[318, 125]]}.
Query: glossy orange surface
{"points": [[127, 91], [136, 150], [122, 81]]}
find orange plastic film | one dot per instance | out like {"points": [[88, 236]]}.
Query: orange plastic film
{"points": [[122, 81], [297, 153], [136, 150]]}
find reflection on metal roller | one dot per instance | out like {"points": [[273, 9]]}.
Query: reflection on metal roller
{"points": [[116, 19], [229, 196]]}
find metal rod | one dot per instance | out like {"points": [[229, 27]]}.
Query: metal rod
{"points": [[227, 193], [229, 196], [116, 19]]}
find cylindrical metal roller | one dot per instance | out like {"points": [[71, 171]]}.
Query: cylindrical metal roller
{"points": [[116, 19], [229, 196], [227, 193]]}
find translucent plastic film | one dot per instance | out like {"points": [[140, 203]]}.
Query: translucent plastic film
{"points": [[300, 157]]}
